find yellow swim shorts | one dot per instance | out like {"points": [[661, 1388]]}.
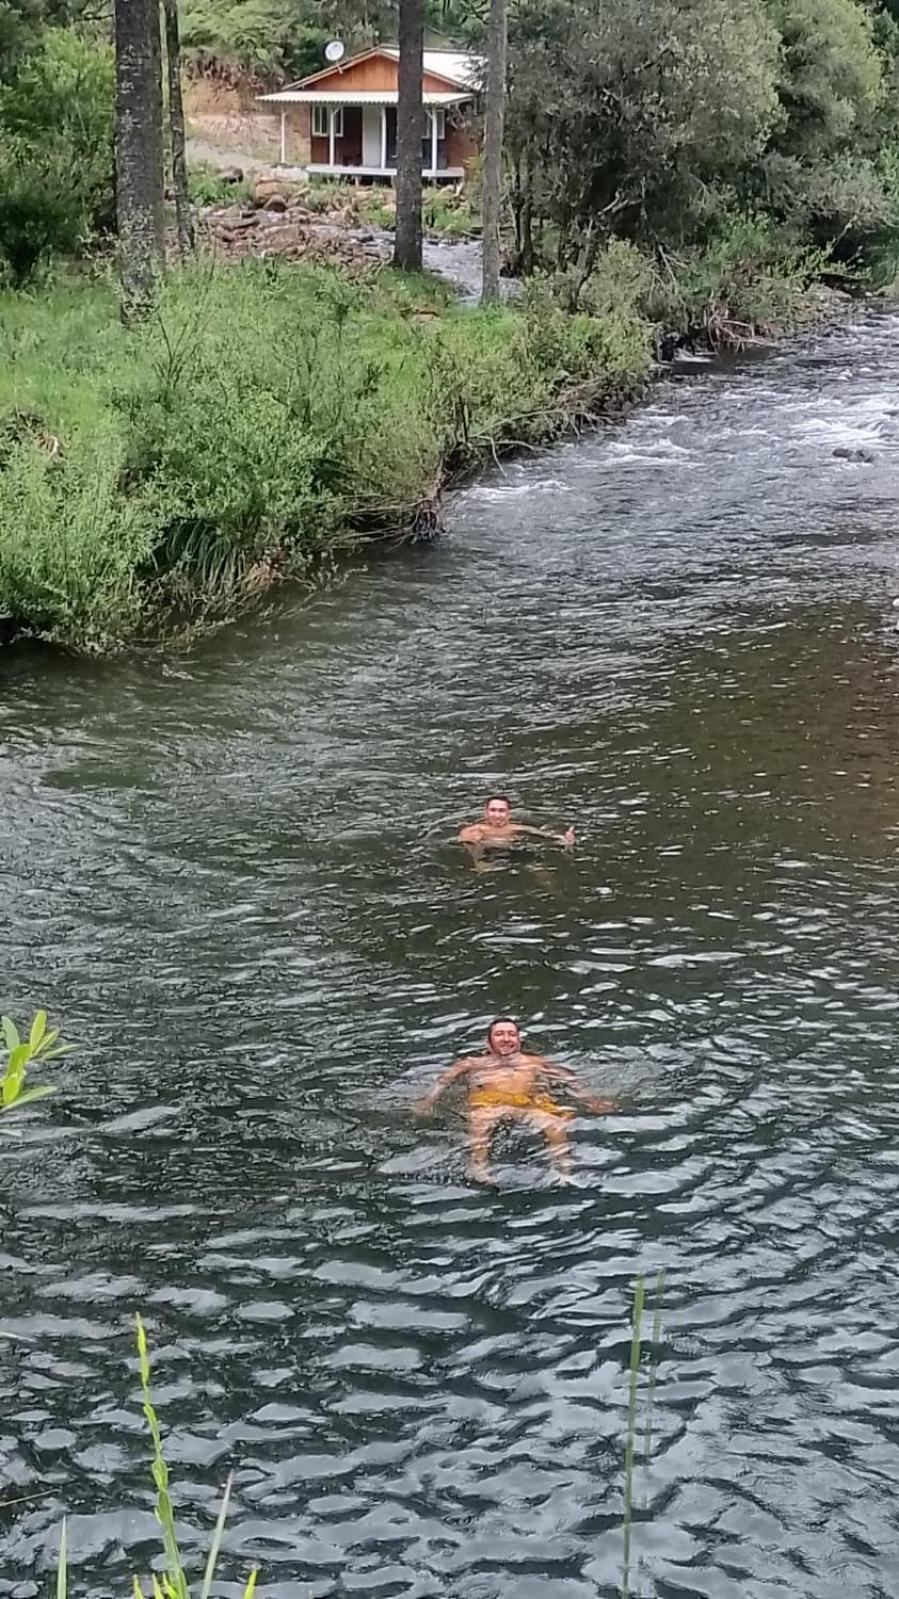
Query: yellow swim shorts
{"points": [[496, 1099]]}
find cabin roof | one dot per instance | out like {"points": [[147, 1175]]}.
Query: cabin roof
{"points": [[454, 67], [358, 97]]}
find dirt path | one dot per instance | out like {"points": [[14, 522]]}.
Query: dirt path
{"points": [[211, 155]]}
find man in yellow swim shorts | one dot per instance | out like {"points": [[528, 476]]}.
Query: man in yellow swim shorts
{"points": [[505, 1084]]}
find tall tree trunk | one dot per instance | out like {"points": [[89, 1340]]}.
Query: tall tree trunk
{"points": [[139, 158], [494, 112], [526, 264], [586, 261], [183, 217], [409, 133], [522, 200]]}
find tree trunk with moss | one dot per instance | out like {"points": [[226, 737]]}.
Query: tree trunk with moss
{"points": [[409, 134], [183, 217], [494, 112], [139, 152]]}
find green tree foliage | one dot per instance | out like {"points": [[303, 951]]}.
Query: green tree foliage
{"points": [[633, 112], [22, 23], [56, 150], [824, 176], [263, 38], [658, 121], [277, 39], [830, 81]]}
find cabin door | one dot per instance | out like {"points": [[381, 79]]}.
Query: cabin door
{"points": [[351, 144], [391, 139]]}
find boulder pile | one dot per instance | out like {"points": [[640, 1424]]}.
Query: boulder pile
{"points": [[277, 221]]}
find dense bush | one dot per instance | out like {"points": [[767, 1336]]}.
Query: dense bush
{"points": [[56, 152], [748, 278], [71, 543]]}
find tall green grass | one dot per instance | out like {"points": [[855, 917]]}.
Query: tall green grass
{"points": [[174, 1581], [266, 419], [651, 1385], [631, 1433], [630, 1441]]}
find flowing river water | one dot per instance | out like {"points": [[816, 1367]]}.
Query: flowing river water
{"points": [[228, 876]]}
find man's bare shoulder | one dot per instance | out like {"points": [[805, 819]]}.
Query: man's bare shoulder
{"points": [[537, 1062], [468, 1063]]}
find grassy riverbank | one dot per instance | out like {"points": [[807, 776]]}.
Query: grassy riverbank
{"points": [[270, 418], [264, 421]]}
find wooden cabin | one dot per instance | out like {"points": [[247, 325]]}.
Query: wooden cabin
{"points": [[341, 122]]}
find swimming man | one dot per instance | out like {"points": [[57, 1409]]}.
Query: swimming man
{"points": [[505, 1084], [498, 831]]}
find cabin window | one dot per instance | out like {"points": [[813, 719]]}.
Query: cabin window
{"points": [[320, 124]]}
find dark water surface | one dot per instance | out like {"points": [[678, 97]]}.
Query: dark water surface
{"points": [[228, 879]]}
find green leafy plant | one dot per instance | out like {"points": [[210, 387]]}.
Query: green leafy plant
{"points": [[208, 187], [448, 214], [20, 1054], [173, 1582]]}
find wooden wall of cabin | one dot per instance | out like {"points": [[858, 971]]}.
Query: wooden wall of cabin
{"points": [[376, 73], [299, 135], [461, 144], [302, 148]]}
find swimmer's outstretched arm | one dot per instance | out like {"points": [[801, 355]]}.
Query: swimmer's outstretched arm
{"points": [[471, 833], [561, 1074], [424, 1106]]}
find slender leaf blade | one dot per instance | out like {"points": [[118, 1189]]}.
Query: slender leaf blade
{"points": [[40, 1091], [654, 1361], [636, 1346], [216, 1545], [62, 1569]]}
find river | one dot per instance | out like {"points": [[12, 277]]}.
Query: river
{"points": [[228, 877]]}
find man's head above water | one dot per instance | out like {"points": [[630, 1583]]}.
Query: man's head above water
{"points": [[498, 810], [503, 1036]]}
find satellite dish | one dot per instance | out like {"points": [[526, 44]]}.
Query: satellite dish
{"points": [[335, 51]]}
